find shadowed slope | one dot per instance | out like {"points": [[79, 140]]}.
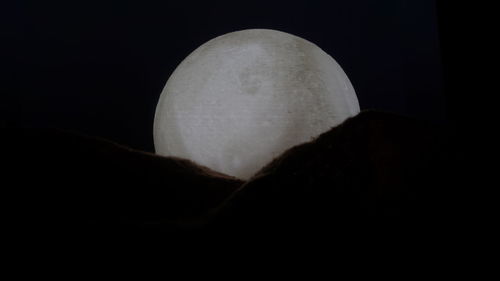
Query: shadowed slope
{"points": [[373, 165], [69, 178]]}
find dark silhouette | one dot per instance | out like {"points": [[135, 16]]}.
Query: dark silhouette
{"points": [[375, 165]]}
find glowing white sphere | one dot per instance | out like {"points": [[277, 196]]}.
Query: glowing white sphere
{"points": [[245, 97]]}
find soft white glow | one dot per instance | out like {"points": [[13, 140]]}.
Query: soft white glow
{"points": [[243, 98]]}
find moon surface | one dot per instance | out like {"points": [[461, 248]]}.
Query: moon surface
{"points": [[243, 98]]}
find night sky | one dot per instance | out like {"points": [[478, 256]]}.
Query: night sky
{"points": [[99, 68]]}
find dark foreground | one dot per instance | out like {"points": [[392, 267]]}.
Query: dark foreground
{"points": [[375, 175]]}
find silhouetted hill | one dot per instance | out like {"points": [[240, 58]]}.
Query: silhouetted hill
{"points": [[95, 181], [374, 168]]}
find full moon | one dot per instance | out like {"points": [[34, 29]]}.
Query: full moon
{"points": [[243, 98]]}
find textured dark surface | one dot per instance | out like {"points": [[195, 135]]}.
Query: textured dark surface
{"points": [[374, 166], [60, 178]]}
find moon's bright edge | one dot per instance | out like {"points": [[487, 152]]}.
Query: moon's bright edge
{"points": [[243, 98]]}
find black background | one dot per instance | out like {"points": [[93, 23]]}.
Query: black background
{"points": [[99, 68]]}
